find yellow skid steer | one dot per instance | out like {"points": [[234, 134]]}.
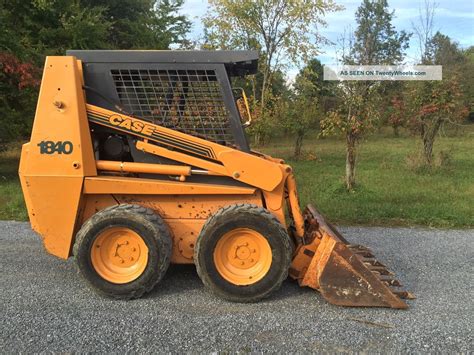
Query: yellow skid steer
{"points": [[139, 159]]}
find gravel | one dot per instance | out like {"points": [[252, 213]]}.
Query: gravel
{"points": [[46, 306]]}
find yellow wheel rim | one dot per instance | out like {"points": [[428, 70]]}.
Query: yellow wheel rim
{"points": [[119, 255], [243, 256]]}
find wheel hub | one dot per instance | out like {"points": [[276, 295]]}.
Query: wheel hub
{"points": [[244, 253], [243, 256], [119, 255], [126, 253]]}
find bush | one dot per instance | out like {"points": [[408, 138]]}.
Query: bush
{"points": [[416, 162]]}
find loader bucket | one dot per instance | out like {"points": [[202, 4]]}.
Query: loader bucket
{"points": [[345, 274]]}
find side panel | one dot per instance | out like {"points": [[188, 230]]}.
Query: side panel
{"points": [[184, 214], [53, 164]]}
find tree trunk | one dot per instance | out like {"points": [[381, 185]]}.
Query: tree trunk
{"points": [[260, 136], [428, 150], [298, 144], [396, 131], [428, 135], [262, 95], [257, 138], [350, 160]]}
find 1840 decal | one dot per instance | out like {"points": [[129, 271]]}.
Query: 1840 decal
{"points": [[60, 147]]}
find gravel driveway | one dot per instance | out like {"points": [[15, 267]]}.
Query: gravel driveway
{"points": [[46, 306]]}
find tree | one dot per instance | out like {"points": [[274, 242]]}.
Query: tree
{"points": [[431, 104], [424, 28], [18, 84], [357, 114], [375, 42], [169, 27], [301, 115], [397, 114], [144, 24], [307, 104], [284, 30], [467, 80], [33, 29]]}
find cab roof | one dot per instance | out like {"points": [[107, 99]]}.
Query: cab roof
{"points": [[236, 62]]}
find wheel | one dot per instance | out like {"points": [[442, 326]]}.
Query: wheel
{"points": [[123, 251], [243, 253]]}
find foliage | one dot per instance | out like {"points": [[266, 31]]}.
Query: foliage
{"points": [[301, 115], [467, 80], [284, 30], [33, 29], [306, 106], [375, 42], [264, 122], [18, 83], [376, 39], [430, 104], [397, 113]]}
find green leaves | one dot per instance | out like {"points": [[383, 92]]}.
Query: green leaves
{"points": [[376, 40], [285, 31], [34, 29]]}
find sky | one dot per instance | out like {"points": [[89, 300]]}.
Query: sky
{"points": [[454, 18]]}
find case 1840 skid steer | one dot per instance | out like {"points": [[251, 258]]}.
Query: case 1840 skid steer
{"points": [[139, 159]]}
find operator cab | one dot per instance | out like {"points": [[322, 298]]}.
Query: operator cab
{"points": [[188, 91]]}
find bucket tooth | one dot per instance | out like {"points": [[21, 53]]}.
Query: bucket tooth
{"points": [[356, 247], [372, 261], [404, 294], [344, 274], [365, 254], [389, 280], [382, 270]]}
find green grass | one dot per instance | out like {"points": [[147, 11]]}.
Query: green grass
{"points": [[12, 205], [389, 192]]}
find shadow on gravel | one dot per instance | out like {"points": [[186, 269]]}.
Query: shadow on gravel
{"points": [[178, 279]]}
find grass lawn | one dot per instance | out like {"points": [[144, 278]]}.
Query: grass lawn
{"points": [[389, 192], [12, 205]]}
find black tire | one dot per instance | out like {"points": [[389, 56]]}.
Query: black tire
{"points": [[243, 216], [148, 225]]}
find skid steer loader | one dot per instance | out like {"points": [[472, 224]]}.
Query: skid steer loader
{"points": [[139, 159]]}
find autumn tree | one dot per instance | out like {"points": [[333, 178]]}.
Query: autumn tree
{"points": [[375, 42], [19, 80], [467, 80], [431, 104], [397, 113], [285, 32]]}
